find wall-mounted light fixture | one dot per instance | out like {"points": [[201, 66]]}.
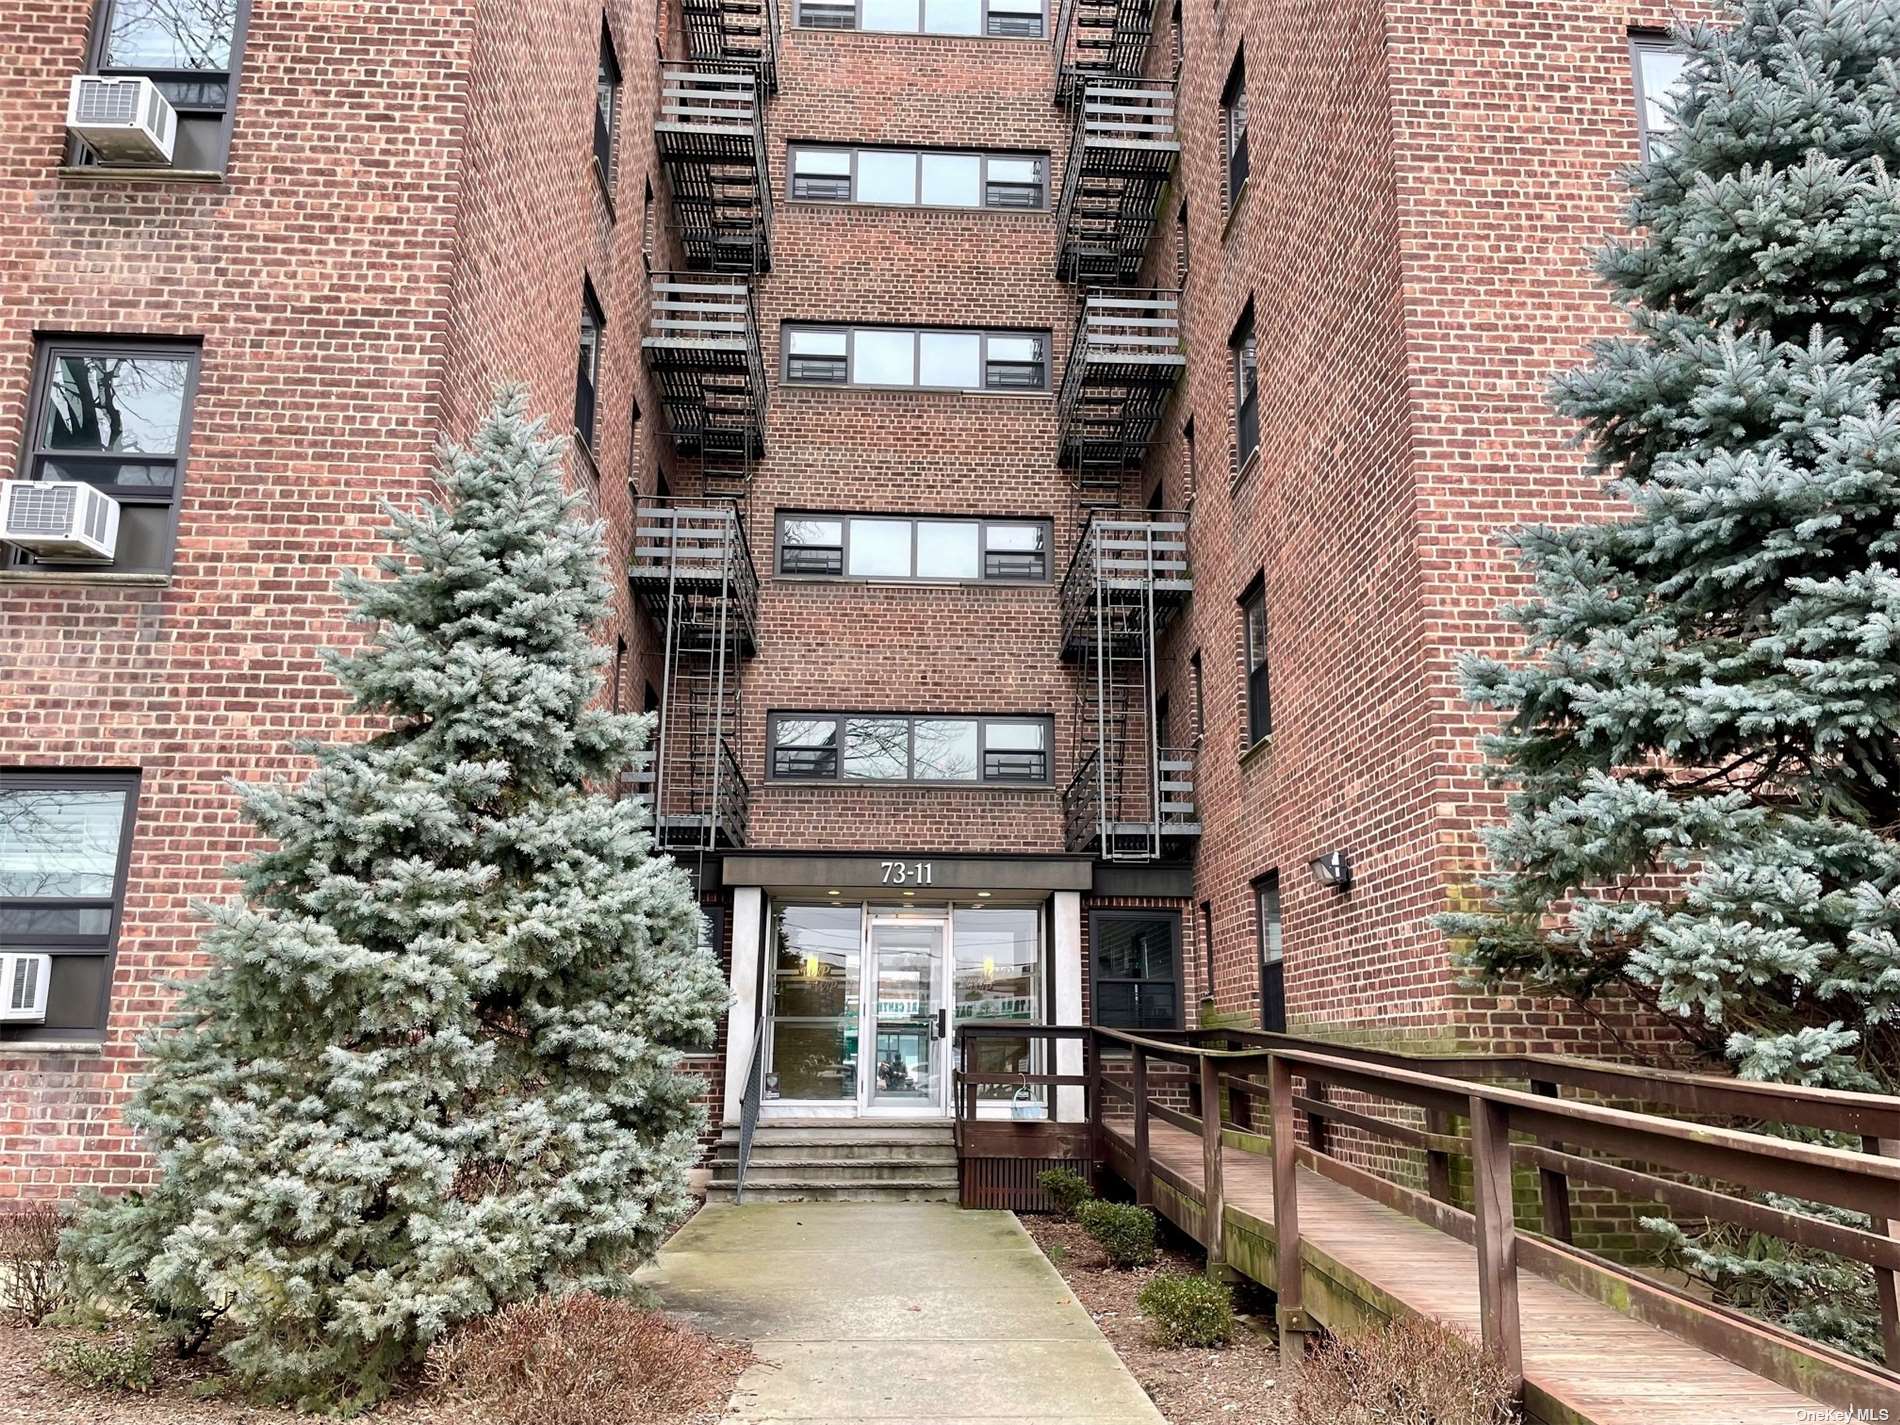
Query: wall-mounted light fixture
{"points": [[1334, 869]]}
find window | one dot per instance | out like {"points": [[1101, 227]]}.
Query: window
{"points": [[65, 839], [911, 177], [191, 52], [587, 375], [1253, 616], [1199, 680], [996, 978], [1190, 471], [1658, 62], [1136, 956], [1207, 945], [1012, 19], [1245, 360], [1266, 893], [881, 547], [606, 105], [1181, 248], [646, 227], [1233, 121], [116, 415], [914, 359], [897, 747]]}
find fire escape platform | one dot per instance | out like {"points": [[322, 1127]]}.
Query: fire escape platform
{"points": [[1101, 39], [1120, 158], [710, 138], [1123, 366], [702, 349], [734, 32]]}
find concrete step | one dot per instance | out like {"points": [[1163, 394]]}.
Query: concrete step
{"points": [[845, 1190], [774, 1150], [826, 1170]]}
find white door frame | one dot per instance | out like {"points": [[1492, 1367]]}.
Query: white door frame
{"points": [[938, 1104]]}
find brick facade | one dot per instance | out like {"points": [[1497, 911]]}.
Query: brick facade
{"points": [[408, 214]]}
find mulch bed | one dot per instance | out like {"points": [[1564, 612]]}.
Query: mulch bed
{"points": [[30, 1392], [1238, 1385]]}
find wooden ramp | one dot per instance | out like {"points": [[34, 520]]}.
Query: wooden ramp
{"points": [[1584, 1361]]}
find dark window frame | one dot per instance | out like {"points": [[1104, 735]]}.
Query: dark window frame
{"points": [[985, 184], [49, 349], [994, 23], [608, 82], [96, 35], [1272, 965], [987, 364], [1643, 42], [1254, 662], [1100, 915], [835, 774], [984, 523], [1243, 370], [1235, 164], [101, 947], [588, 368]]}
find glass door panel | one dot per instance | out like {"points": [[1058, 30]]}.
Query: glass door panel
{"points": [[906, 1069], [813, 1050], [997, 980]]}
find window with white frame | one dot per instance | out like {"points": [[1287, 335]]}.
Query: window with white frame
{"points": [[1658, 62], [929, 178], [920, 358]]}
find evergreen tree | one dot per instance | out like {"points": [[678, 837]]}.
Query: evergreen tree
{"points": [[431, 1069], [1705, 774]]}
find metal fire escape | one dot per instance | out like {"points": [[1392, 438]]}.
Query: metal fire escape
{"points": [[702, 348], [734, 32], [1132, 796], [1101, 39], [693, 573], [710, 137], [1124, 362], [1120, 157]]}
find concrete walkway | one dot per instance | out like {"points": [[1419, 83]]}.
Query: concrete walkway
{"points": [[899, 1313]]}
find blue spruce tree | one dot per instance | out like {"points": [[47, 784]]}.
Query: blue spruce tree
{"points": [[432, 1068], [1703, 758]]}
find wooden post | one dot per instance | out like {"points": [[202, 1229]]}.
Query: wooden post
{"points": [[1093, 1100], [1144, 1167], [1497, 1236], [1553, 1188], [1293, 1322], [1437, 1164], [1887, 1283], [1213, 1197]]}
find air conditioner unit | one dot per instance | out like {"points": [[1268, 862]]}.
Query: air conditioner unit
{"points": [[23, 981], [122, 119], [62, 520]]}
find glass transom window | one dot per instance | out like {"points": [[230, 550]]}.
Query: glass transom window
{"points": [[887, 547]]}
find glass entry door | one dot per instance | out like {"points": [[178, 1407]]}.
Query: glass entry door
{"points": [[909, 1015]]}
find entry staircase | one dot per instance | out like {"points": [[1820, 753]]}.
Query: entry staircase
{"points": [[693, 572], [839, 1160], [1132, 797]]}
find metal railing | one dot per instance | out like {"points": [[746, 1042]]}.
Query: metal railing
{"points": [[1123, 361], [1121, 150], [749, 1103], [710, 130], [1126, 550], [735, 32], [696, 549], [702, 344]]}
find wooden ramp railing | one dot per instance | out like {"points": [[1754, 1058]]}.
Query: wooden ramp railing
{"points": [[1230, 1121]]}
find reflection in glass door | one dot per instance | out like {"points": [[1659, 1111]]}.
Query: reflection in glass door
{"points": [[908, 1019]]}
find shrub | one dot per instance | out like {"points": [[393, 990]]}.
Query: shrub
{"points": [[118, 1362], [1125, 1232], [33, 1282], [1412, 1372], [1069, 1189], [579, 1360], [1184, 1309]]}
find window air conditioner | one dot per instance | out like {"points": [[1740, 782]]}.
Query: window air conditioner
{"points": [[123, 119], [23, 980], [63, 520]]}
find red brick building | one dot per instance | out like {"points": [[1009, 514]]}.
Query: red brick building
{"points": [[1057, 451]]}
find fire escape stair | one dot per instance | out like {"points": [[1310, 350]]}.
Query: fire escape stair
{"points": [[734, 32], [702, 350], [1120, 158], [710, 138], [1123, 365], [1100, 39]]}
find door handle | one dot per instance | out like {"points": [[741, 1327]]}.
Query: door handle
{"points": [[943, 1023]]}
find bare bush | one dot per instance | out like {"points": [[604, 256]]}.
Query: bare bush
{"points": [[582, 1359], [1413, 1372], [33, 1283]]}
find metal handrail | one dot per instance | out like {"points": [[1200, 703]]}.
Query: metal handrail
{"points": [[749, 1103]]}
